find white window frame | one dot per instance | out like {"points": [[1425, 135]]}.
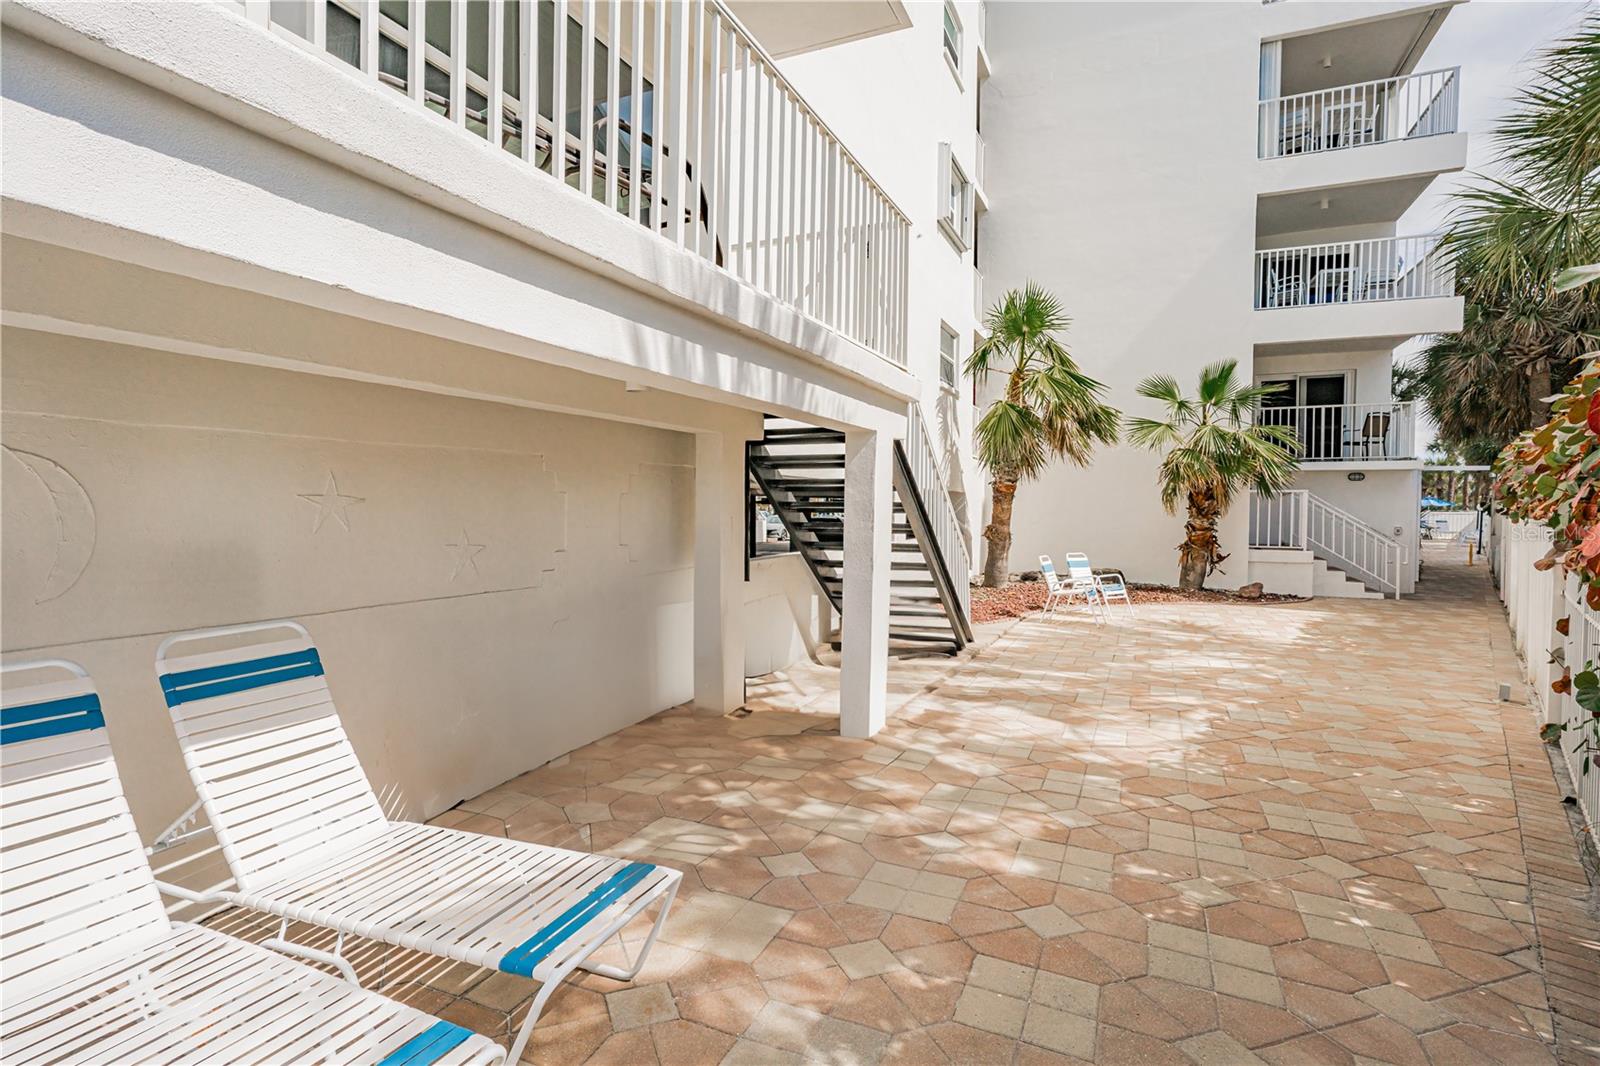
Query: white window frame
{"points": [[958, 229], [951, 49], [946, 333]]}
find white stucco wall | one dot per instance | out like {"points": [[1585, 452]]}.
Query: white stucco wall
{"points": [[1384, 498], [1122, 151], [786, 616], [499, 586]]}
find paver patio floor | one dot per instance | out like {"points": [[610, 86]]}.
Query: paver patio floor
{"points": [[1214, 834]]}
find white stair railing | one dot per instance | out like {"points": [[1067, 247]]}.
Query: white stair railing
{"points": [[1298, 519], [1371, 112], [1349, 544], [674, 116], [1347, 432], [928, 476], [1352, 272], [1279, 521]]}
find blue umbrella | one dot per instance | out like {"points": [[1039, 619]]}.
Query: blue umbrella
{"points": [[1434, 501]]}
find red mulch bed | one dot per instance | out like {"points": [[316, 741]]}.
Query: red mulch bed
{"points": [[1025, 597]]}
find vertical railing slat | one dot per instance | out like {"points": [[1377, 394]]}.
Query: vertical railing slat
{"points": [[586, 159], [495, 72], [613, 100], [636, 115], [458, 64]]}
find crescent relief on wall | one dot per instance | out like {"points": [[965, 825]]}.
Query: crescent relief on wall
{"points": [[73, 514]]}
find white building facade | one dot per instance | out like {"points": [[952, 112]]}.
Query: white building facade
{"points": [[1233, 195], [311, 313]]}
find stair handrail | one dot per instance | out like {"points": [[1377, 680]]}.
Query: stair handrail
{"points": [[1354, 543], [934, 492]]}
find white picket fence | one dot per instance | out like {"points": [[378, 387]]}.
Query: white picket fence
{"points": [[1535, 600]]}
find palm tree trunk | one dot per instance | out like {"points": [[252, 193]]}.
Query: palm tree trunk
{"points": [[1200, 553], [1539, 387], [997, 534]]}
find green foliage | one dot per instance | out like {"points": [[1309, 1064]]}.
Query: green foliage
{"points": [[1050, 408], [1212, 443], [1551, 475], [1213, 451], [1514, 241]]}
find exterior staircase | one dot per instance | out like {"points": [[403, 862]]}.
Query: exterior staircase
{"points": [[800, 469], [1352, 558]]}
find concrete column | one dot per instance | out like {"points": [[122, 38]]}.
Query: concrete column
{"points": [[718, 572], [863, 694]]}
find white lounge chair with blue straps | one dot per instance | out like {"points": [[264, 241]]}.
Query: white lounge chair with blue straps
{"points": [[95, 972], [305, 838], [1109, 583], [1061, 592]]}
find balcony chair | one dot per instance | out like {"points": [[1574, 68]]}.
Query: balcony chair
{"points": [[1108, 583], [1061, 593], [1375, 434], [1296, 132], [95, 971], [1282, 291], [305, 838]]}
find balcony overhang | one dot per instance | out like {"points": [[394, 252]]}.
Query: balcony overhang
{"points": [[1381, 41], [1369, 203], [1417, 160], [1370, 164], [1287, 21], [1353, 327], [524, 224], [791, 27]]}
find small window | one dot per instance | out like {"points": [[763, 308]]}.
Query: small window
{"points": [[952, 38], [949, 357], [955, 200]]}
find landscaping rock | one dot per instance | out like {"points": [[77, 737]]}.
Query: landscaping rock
{"points": [[1252, 591]]}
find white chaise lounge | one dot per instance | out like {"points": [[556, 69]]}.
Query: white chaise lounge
{"points": [[1061, 593], [305, 838], [95, 972], [1110, 584]]}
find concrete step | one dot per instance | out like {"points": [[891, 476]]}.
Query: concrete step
{"points": [[1334, 583]]}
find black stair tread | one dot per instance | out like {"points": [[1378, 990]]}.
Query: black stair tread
{"points": [[790, 434], [799, 459], [932, 638]]}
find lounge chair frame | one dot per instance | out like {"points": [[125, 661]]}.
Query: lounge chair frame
{"points": [[306, 840], [96, 972]]}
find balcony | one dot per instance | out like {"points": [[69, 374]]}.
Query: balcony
{"points": [[1354, 116], [675, 117], [1374, 293], [1349, 432], [1347, 272]]}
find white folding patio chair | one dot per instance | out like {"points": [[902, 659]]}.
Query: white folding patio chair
{"points": [[1109, 583], [305, 838], [93, 969], [1059, 593]]}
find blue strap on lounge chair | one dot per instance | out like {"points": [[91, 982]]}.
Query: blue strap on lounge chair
{"points": [[186, 686], [525, 956], [428, 1046], [50, 718]]}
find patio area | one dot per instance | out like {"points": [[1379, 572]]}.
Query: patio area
{"points": [[1296, 833]]}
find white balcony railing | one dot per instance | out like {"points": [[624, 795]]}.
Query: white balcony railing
{"points": [[979, 162], [1331, 433], [1349, 116], [933, 489], [674, 116], [1347, 272], [1302, 520]]}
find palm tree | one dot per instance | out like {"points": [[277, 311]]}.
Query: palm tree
{"points": [[1214, 449], [1514, 241], [1050, 409]]}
